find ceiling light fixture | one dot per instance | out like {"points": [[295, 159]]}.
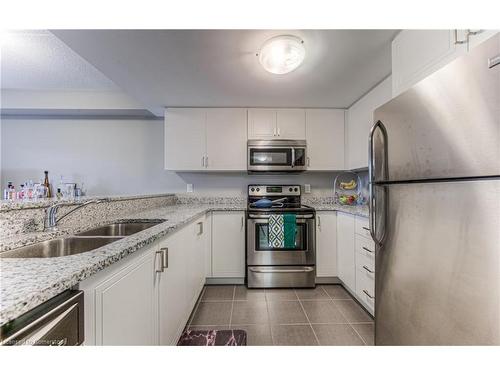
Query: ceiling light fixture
{"points": [[282, 54]]}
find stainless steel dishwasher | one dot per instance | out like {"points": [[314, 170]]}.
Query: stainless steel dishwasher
{"points": [[56, 322]]}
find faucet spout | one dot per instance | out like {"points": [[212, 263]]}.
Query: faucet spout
{"points": [[51, 220]]}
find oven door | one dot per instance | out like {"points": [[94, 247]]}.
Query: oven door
{"points": [[276, 159], [259, 253]]}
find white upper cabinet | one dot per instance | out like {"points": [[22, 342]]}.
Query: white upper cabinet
{"points": [[291, 123], [419, 53], [200, 139], [325, 139], [261, 123], [226, 139], [360, 121], [266, 123], [185, 139]]}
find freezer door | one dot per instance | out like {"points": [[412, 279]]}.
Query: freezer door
{"points": [[438, 271], [448, 125]]}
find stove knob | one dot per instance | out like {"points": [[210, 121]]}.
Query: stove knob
{"points": [[290, 189], [258, 189], [296, 189], [252, 189]]}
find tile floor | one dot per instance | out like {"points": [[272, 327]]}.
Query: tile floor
{"points": [[326, 315]]}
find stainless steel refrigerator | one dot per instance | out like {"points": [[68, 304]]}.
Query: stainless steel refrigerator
{"points": [[435, 206]]}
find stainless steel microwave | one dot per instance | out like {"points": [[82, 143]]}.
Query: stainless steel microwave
{"points": [[277, 156]]}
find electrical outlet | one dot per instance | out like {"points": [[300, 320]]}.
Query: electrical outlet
{"points": [[189, 188], [307, 188]]}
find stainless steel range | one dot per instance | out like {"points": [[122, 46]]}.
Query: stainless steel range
{"points": [[270, 267]]}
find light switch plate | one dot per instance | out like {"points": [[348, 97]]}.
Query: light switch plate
{"points": [[307, 188], [189, 188]]}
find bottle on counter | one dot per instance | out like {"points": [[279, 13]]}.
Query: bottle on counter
{"points": [[12, 192], [6, 191], [59, 194], [46, 183]]}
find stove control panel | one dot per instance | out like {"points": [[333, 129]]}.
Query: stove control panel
{"points": [[274, 190]]}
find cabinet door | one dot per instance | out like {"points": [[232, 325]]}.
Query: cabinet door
{"points": [[325, 139], [185, 139], [228, 244], [173, 290], [196, 263], [291, 123], [261, 123], [360, 121], [227, 139], [326, 244], [346, 250], [418, 53], [480, 37], [125, 306]]}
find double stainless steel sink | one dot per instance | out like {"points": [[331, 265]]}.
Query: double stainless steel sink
{"points": [[82, 242]]}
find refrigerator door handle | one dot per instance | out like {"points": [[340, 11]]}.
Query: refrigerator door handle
{"points": [[371, 175]]}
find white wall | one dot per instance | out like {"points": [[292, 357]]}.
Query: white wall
{"points": [[115, 157]]}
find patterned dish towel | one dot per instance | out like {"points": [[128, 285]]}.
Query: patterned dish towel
{"points": [[282, 229]]}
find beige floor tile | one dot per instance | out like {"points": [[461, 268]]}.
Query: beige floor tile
{"points": [[281, 294], [286, 312], [286, 335], [366, 331], [242, 293], [312, 294], [249, 312], [218, 293], [353, 312], [257, 334], [212, 313], [336, 291], [323, 312], [336, 334]]}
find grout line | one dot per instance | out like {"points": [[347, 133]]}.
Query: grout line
{"points": [[269, 319], [349, 323], [232, 307], [307, 317], [357, 333], [193, 313]]}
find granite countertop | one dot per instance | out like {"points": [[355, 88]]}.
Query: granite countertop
{"points": [[26, 283]]}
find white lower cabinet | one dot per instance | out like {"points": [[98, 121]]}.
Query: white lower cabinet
{"points": [[326, 244], [228, 244], [125, 305], [346, 263], [147, 298]]}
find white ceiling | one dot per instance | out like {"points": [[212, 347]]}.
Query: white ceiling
{"points": [[166, 68], [37, 60]]}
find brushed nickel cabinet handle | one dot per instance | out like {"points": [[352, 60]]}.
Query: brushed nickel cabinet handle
{"points": [[463, 41], [164, 258], [366, 268], [308, 161], [200, 228], [365, 228], [319, 222], [160, 269], [368, 294], [367, 249]]}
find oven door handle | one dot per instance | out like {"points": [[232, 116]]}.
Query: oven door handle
{"points": [[253, 216], [259, 270]]}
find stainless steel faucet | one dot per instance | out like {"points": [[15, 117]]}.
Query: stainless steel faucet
{"points": [[50, 222]]}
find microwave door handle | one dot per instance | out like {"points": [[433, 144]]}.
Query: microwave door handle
{"points": [[293, 157]]}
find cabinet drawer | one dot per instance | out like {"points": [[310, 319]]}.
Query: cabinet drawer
{"points": [[365, 252], [365, 287], [363, 227]]}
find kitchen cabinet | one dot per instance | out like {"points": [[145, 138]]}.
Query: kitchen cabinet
{"points": [[365, 264], [205, 139], [228, 244], [267, 123], [346, 264], [325, 139], [326, 244], [359, 122], [418, 53], [147, 298], [126, 305], [226, 139], [185, 139]]}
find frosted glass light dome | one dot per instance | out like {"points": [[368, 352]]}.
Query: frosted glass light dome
{"points": [[282, 54]]}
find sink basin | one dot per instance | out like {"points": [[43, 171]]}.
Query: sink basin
{"points": [[121, 229], [59, 247]]}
